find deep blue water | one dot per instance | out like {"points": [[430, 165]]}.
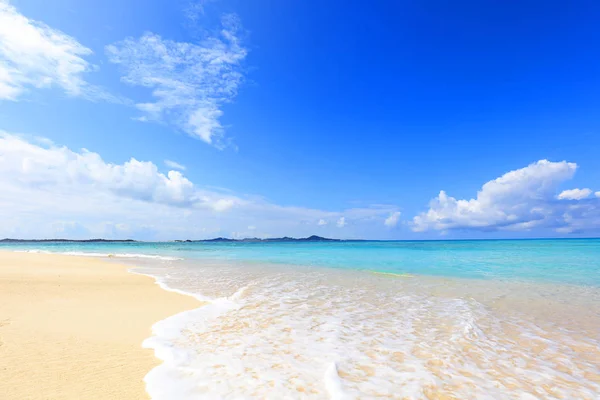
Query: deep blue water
{"points": [[574, 261]]}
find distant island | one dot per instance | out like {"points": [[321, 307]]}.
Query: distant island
{"points": [[313, 238], [8, 240]]}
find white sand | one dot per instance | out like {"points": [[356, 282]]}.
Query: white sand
{"points": [[72, 327]]}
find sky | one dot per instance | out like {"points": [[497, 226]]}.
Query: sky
{"points": [[402, 120]]}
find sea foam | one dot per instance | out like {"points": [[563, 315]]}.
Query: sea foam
{"points": [[103, 255], [173, 379]]}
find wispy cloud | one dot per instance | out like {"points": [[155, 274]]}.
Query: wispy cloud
{"points": [[34, 55], [322, 222], [189, 82], [174, 165], [520, 200], [195, 9]]}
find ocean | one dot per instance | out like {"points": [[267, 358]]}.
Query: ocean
{"points": [[502, 319]]}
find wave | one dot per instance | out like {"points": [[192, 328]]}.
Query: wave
{"points": [[103, 255], [392, 274], [170, 380]]}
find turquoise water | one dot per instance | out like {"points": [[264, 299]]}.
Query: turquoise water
{"points": [[573, 261]]}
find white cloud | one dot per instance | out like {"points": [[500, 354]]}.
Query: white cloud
{"points": [[393, 219], [322, 222], [574, 194], [34, 55], [56, 168], [597, 194], [189, 82], [49, 190], [341, 222], [195, 9], [174, 165], [523, 199]]}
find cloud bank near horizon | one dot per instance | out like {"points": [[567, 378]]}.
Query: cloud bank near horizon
{"points": [[51, 190], [521, 200]]}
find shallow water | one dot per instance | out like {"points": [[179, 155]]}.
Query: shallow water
{"points": [[574, 261], [274, 331]]}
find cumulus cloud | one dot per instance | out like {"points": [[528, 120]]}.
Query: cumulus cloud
{"points": [[574, 194], [55, 168], [322, 222], [393, 219], [34, 55], [48, 190], [341, 222], [174, 165], [522, 199], [189, 82]]}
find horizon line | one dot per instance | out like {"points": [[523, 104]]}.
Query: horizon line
{"points": [[215, 239]]}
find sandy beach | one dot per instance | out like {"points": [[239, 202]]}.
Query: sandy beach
{"points": [[72, 327]]}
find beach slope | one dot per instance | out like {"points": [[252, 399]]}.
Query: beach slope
{"points": [[72, 327]]}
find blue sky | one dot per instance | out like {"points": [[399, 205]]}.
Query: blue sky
{"points": [[343, 119]]}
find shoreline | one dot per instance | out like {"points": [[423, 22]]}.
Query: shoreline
{"points": [[532, 321], [72, 327]]}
